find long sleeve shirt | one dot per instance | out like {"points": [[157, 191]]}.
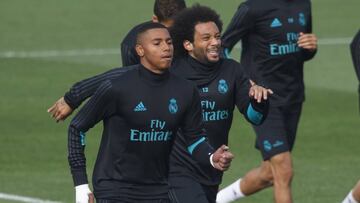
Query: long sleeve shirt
{"points": [[134, 153], [269, 31], [222, 86]]}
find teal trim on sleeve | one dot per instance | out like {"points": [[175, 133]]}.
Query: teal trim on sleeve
{"points": [[82, 138], [253, 115], [227, 53], [194, 145]]}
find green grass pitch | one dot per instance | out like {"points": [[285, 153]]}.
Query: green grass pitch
{"points": [[33, 148]]}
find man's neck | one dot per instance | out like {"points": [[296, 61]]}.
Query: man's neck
{"points": [[153, 69]]}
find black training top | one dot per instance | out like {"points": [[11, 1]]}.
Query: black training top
{"points": [[133, 157], [128, 54], [269, 31], [222, 85]]}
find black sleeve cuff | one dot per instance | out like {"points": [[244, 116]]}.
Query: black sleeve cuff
{"points": [[73, 105], [202, 153], [307, 55], [79, 176]]}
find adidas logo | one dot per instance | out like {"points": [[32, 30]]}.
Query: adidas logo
{"points": [[140, 107], [276, 23]]}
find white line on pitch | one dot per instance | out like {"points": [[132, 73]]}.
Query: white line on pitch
{"points": [[111, 51], [24, 199], [58, 53]]}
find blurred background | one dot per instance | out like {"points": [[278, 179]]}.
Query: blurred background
{"points": [[47, 45]]}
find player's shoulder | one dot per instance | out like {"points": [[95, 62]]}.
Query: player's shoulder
{"points": [[229, 64], [181, 83], [256, 3], [125, 74], [256, 8], [180, 80], [120, 70], [229, 61], [236, 68]]}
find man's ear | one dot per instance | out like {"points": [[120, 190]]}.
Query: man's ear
{"points": [[155, 19], [139, 50], [188, 45]]}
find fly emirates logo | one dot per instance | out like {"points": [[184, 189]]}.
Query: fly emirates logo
{"points": [[288, 48], [210, 113], [156, 134]]}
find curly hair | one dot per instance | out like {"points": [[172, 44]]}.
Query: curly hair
{"points": [[167, 9], [185, 22]]}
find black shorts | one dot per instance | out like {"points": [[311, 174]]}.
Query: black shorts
{"points": [[186, 190], [133, 201], [278, 132]]}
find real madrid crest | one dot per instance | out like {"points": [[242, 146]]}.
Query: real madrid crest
{"points": [[223, 87], [302, 20], [173, 107]]}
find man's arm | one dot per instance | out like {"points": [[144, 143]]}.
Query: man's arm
{"points": [[100, 106], [85, 88], [308, 41], [239, 26], [80, 91], [252, 100], [195, 135]]}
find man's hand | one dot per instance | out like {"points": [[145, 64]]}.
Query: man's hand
{"points": [[222, 158], [83, 194], [258, 92], [307, 41], [60, 110]]}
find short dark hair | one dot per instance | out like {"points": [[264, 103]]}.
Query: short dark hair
{"points": [[185, 22], [167, 9], [147, 26]]}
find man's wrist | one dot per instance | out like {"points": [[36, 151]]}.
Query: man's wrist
{"points": [[69, 102], [83, 187], [79, 176]]}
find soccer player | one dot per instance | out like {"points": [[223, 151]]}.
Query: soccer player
{"points": [[354, 194], [276, 41], [164, 12], [222, 85], [151, 104]]}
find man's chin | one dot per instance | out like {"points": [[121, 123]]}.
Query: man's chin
{"points": [[165, 66], [213, 59]]}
